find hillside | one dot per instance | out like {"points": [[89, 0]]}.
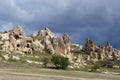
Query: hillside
{"points": [[15, 45]]}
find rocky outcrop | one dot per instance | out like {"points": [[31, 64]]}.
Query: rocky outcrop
{"points": [[46, 32], [96, 53], [16, 41], [54, 44], [63, 44], [101, 53], [90, 47]]}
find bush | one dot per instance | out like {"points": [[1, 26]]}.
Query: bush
{"points": [[60, 62], [117, 62], [47, 50], [95, 67], [45, 61], [106, 63]]}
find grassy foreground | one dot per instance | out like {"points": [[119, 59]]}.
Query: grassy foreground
{"points": [[10, 71]]}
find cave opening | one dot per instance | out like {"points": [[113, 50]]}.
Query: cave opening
{"points": [[16, 36]]}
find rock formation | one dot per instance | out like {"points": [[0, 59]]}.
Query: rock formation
{"points": [[96, 53], [54, 44], [101, 53], [90, 47], [16, 41]]}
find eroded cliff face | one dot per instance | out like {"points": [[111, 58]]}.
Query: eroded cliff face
{"points": [[17, 41], [55, 44]]}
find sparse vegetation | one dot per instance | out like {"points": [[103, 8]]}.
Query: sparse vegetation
{"points": [[45, 61], [60, 62], [12, 60], [95, 67], [48, 51]]}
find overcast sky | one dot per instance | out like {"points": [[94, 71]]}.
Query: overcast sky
{"points": [[96, 19]]}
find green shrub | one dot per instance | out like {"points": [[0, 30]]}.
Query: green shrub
{"points": [[45, 61], [60, 62], [95, 67], [106, 63], [117, 62], [12, 60], [48, 51]]}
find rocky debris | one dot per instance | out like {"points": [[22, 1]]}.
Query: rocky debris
{"points": [[6, 57], [33, 62], [80, 59], [4, 36], [15, 58], [115, 66]]}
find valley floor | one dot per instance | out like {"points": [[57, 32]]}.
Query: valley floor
{"points": [[36, 73]]}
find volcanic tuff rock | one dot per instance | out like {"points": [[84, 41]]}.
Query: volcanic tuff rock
{"points": [[54, 44], [17, 41], [100, 52]]}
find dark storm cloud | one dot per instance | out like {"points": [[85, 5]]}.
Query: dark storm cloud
{"points": [[97, 19]]}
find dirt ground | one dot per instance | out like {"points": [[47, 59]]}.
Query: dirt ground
{"points": [[24, 73]]}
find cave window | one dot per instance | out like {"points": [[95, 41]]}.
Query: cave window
{"points": [[20, 34], [32, 49], [16, 36], [42, 42], [28, 46], [18, 45], [29, 41], [25, 52], [46, 34]]}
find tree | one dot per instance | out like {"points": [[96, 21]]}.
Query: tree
{"points": [[60, 62]]}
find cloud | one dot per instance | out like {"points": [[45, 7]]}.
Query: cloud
{"points": [[6, 27], [97, 19]]}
